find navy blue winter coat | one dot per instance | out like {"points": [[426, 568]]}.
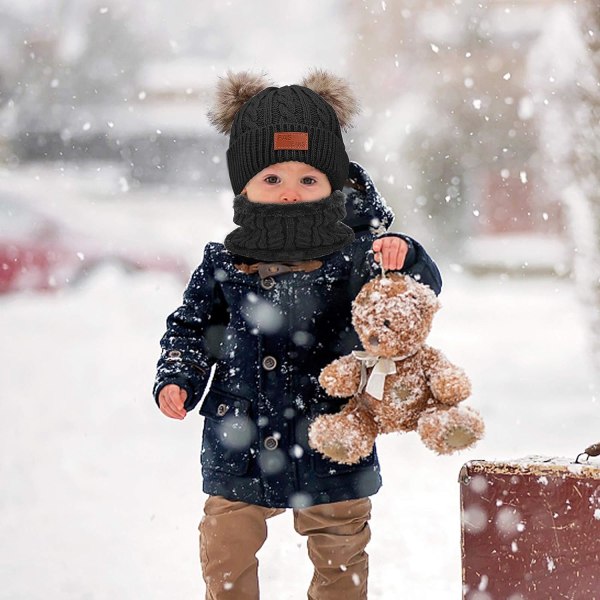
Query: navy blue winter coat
{"points": [[268, 341]]}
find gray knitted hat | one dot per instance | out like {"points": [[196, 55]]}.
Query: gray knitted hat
{"points": [[269, 124]]}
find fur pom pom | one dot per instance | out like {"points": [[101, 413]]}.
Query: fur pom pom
{"points": [[335, 91], [233, 91]]}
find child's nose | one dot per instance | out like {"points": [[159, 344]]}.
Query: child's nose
{"points": [[289, 194]]}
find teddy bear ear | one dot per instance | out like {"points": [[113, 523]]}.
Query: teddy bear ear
{"points": [[429, 301], [423, 294], [336, 92], [233, 91]]}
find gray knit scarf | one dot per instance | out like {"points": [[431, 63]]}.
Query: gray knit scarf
{"points": [[289, 232]]}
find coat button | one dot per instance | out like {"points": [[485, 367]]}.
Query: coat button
{"points": [[271, 443], [222, 409], [269, 363], [267, 283]]}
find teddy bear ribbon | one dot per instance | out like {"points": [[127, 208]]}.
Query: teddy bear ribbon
{"points": [[381, 367]]}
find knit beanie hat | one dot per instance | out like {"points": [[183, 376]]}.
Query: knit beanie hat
{"points": [[269, 124]]}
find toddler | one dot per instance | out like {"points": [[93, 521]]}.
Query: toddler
{"points": [[268, 309]]}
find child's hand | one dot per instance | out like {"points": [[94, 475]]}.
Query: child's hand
{"points": [[170, 401], [393, 249]]}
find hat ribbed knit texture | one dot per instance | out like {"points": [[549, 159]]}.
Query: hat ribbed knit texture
{"points": [[292, 108]]}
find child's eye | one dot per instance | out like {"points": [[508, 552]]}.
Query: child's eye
{"points": [[272, 179], [308, 180]]}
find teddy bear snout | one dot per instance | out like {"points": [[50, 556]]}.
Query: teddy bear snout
{"points": [[373, 340]]}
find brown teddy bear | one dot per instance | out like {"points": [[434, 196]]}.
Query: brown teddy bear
{"points": [[397, 383]]}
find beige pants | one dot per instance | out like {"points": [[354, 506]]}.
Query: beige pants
{"points": [[231, 533]]}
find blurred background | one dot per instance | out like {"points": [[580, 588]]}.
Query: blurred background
{"points": [[480, 127]]}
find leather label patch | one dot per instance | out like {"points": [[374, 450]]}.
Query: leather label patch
{"points": [[290, 140]]}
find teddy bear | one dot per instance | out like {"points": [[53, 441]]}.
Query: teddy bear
{"points": [[397, 383]]}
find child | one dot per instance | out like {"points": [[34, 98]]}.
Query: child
{"points": [[269, 308]]}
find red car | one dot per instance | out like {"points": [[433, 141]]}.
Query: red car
{"points": [[39, 252]]}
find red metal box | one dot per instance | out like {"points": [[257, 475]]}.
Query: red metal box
{"points": [[530, 530]]}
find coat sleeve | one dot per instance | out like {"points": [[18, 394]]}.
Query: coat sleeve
{"points": [[192, 330], [417, 264]]}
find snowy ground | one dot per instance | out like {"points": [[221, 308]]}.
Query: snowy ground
{"points": [[101, 493]]}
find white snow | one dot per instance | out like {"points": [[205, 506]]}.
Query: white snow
{"points": [[526, 253], [507, 520], [101, 494]]}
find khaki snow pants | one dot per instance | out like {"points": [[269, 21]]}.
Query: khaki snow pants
{"points": [[231, 533]]}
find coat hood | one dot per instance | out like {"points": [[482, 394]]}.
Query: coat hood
{"points": [[366, 209]]}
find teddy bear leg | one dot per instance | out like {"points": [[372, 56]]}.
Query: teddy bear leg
{"points": [[447, 431], [344, 437]]}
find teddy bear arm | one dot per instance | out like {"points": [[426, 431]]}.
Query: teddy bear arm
{"points": [[449, 384], [341, 377]]}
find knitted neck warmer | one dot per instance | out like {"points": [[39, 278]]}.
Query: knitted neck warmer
{"points": [[289, 232]]}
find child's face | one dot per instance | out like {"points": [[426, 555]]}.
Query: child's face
{"points": [[288, 182]]}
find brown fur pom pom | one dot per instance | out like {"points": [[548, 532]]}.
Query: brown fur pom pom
{"points": [[335, 91], [233, 91]]}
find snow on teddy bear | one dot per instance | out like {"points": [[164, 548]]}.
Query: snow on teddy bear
{"points": [[397, 383]]}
